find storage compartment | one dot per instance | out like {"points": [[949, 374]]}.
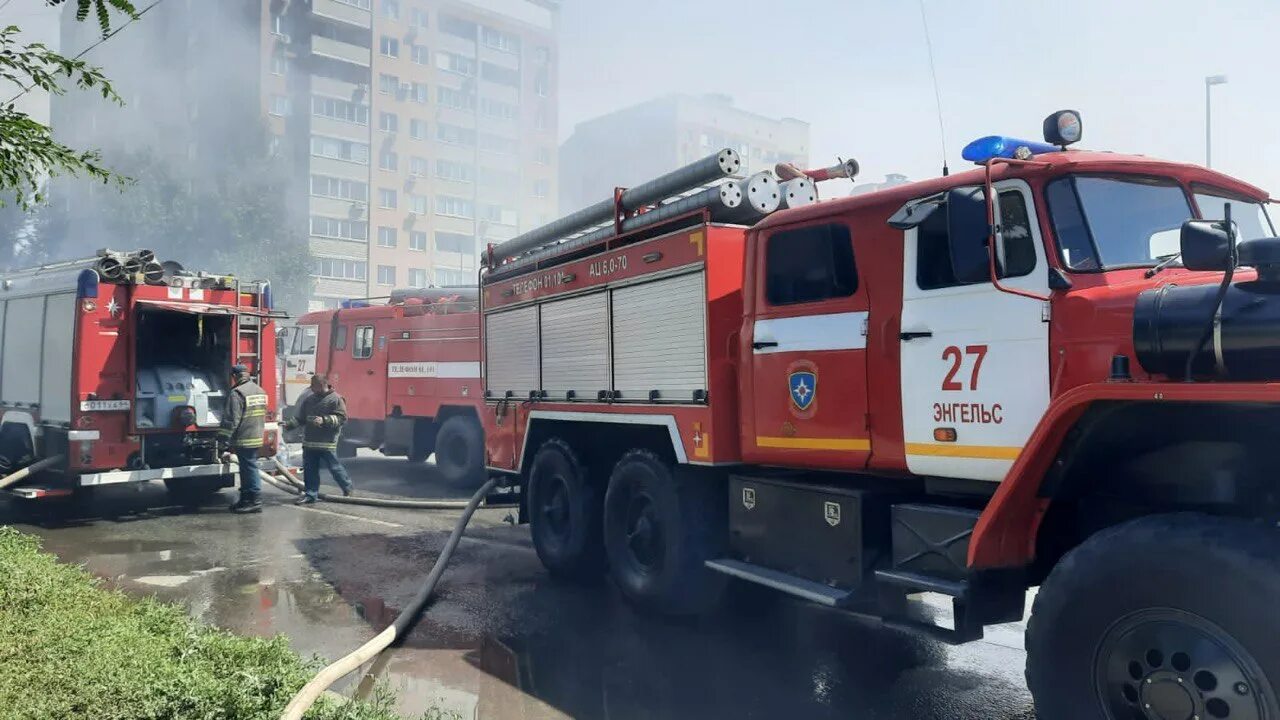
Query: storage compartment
{"points": [[933, 539], [830, 535], [183, 361]]}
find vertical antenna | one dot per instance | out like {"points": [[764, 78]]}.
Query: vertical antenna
{"points": [[937, 95]]}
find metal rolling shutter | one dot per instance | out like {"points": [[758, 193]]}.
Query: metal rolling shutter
{"points": [[512, 362], [659, 338], [55, 383], [575, 346]]}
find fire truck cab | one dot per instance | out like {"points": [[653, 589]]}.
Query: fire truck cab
{"points": [[1055, 370]]}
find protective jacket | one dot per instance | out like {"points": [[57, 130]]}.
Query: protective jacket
{"points": [[331, 410], [244, 416]]}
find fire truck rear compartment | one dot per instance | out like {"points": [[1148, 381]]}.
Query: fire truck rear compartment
{"points": [[183, 360]]}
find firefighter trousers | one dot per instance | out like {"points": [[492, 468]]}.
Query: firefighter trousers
{"points": [[250, 482], [312, 460]]}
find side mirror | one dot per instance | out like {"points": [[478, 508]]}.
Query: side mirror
{"points": [[968, 233], [1206, 245]]}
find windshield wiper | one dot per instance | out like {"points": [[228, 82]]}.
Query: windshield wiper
{"points": [[1163, 264]]}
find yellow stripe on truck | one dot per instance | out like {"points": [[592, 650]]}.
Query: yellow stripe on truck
{"points": [[982, 452], [799, 443]]}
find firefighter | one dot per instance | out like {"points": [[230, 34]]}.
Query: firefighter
{"points": [[322, 414], [242, 427]]}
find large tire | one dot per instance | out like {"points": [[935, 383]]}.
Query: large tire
{"points": [[564, 513], [459, 451], [1165, 616], [660, 528]]}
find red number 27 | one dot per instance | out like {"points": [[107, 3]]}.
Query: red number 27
{"points": [[956, 358]]}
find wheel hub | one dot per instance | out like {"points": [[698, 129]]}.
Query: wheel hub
{"points": [[555, 509], [1172, 665], [643, 533]]}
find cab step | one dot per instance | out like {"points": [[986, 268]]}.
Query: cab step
{"points": [[914, 582], [783, 582]]}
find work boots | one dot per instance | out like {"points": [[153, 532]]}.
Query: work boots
{"points": [[247, 505]]}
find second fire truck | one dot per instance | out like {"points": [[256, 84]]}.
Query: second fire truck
{"points": [[1057, 369]]}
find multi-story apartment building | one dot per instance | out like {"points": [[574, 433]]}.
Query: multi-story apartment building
{"points": [[417, 131], [661, 134]]}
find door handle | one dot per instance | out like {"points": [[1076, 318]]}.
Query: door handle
{"points": [[762, 344], [913, 334]]}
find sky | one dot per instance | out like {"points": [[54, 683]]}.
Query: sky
{"points": [[858, 71]]}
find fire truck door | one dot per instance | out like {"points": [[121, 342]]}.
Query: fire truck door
{"points": [[975, 372], [299, 361], [364, 384], [807, 390]]}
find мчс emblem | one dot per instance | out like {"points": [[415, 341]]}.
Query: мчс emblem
{"points": [[804, 388], [749, 498], [831, 511]]}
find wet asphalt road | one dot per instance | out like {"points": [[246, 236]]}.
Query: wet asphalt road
{"points": [[503, 640]]}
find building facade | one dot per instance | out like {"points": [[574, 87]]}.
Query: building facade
{"points": [[667, 132], [417, 131]]}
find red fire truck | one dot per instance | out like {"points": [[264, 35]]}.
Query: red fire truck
{"points": [[408, 368], [1057, 370], [115, 369]]}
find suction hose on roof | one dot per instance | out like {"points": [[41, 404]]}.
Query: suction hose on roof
{"points": [[404, 622]]}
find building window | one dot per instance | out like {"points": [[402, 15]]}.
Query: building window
{"points": [[418, 17], [279, 105], [417, 277], [455, 99], [417, 240], [499, 110], [342, 189], [363, 346], [279, 65], [362, 4], [455, 63], [386, 237], [500, 75], [455, 171], [418, 166], [389, 46], [388, 84], [339, 228], [418, 204], [499, 144], [541, 188], [454, 206], [388, 122], [338, 268], [458, 27], [387, 198], [386, 275], [336, 109], [499, 180], [454, 135], [340, 149], [544, 156], [455, 243], [450, 277], [499, 215], [809, 264], [499, 40], [542, 83], [391, 9], [543, 119], [418, 93], [277, 25], [420, 55], [388, 160], [417, 129]]}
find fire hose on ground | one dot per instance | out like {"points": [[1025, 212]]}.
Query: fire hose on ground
{"points": [[18, 476], [405, 621]]}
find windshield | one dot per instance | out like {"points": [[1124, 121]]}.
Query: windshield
{"points": [[1250, 217], [304, 340], [1109, 222]]}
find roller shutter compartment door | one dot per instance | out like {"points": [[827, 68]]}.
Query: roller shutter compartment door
{"points": [[659, 339], [511, 347], [575, 346]]}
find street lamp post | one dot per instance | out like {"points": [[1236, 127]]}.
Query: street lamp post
{"points": [[1209, 82]]}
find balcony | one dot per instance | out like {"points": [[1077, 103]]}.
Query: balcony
{"points": [[342, 12], [338, 50], [332, 87]]}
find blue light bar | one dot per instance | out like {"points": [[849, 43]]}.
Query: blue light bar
{"points": [[999, 146], [349, 304]]}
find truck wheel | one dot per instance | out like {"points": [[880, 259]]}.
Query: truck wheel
{"points": [[564, 513], [460, 450], [1168, 616], [659, 529]]}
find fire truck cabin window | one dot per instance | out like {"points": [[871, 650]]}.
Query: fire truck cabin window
{"points": [[340, 337], [809, 264], [1104, 223], [304, 340], [933, 250], [363, 346], [1250, 217]]}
